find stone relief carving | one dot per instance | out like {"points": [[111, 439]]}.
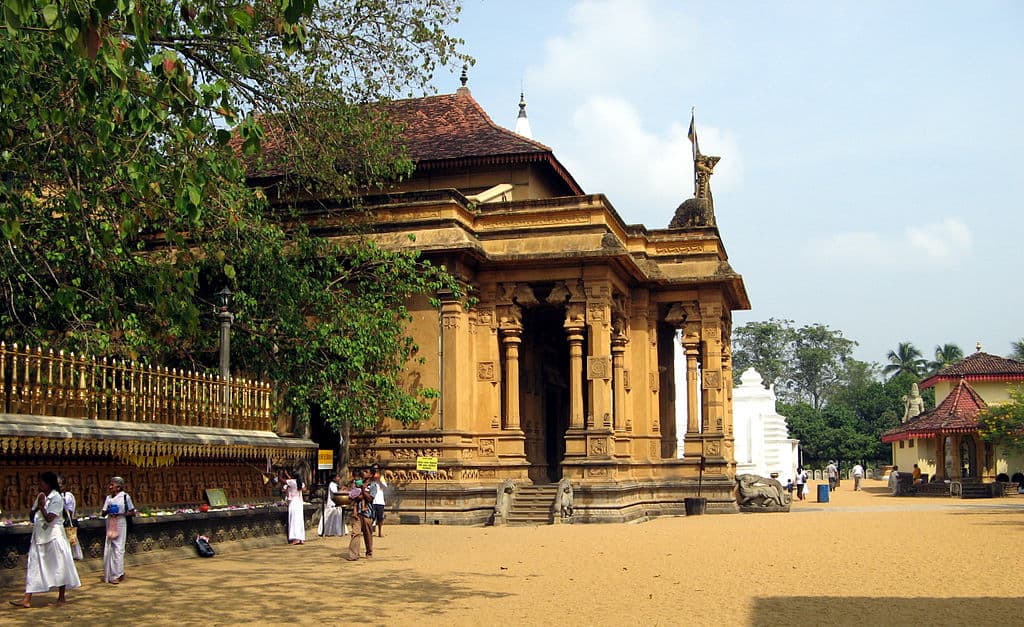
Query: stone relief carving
{"points": [[713, 448], [503, 501], [524, 296], [711, 379], [485, 371], [559, 294], [599, 446], [486, 447], [599, 367], [563, 501]]}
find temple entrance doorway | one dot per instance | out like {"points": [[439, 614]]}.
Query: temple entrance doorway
{"points": [[544, 390]]}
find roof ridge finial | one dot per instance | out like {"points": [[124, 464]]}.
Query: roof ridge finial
{"points": [[464, 77], [522, 103], [978, 346], [522, 122]]}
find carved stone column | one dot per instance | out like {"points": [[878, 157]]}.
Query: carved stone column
{"points": [[618, 379], [453, 347], [940, 457], [511, 338], [711, 368], [574, 332]]}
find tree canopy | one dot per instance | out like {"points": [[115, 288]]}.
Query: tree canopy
{"points": [[906, 359], [1003, 423], [126, 131]]}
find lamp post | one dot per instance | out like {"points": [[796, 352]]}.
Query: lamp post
{"points": [[225, 317]]}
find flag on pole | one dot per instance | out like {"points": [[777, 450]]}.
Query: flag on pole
{"points": [[692, 134]]}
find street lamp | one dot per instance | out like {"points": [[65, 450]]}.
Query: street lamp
{"points": [[225, 317]]}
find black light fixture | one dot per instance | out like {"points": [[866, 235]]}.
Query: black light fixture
{"points": [[224, 298]]}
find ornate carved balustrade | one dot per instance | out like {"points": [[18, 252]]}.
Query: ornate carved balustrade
{"points": [[34, 381]]}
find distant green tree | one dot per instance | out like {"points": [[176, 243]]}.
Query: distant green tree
{"points": [[766, 347], [945, 355], [1003, 423], [906, 359], [819, 357]]}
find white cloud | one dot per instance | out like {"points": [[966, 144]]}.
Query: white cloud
{"points": [[645, 172], [942, 243], [607, 40]]}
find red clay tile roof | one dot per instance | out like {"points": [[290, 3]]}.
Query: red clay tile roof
{"points": [[450, 130], [979, 367], [957, 413]]}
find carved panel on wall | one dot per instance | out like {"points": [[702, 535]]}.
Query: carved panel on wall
{"points": [[625, 380], [655, 449], [712, 379], [413, 453], [488, 473], [713, 448], [597, 472], [485, 371], [599, 446], [599, 367], [486, 447]]}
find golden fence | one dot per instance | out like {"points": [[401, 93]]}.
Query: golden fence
{"points": [[76, 386]]}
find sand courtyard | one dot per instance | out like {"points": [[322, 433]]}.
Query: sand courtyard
{"points": [[864, 558]]}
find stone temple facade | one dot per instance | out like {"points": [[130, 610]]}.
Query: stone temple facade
{"points": [[561, 366]]}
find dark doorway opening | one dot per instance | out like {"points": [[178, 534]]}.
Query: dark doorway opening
{"points": [[544, 391]]}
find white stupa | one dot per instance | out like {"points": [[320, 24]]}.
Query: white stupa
{"points": [[522, 122], [763, 445]]}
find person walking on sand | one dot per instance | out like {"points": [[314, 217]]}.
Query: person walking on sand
{"points": [[50, 564], [362, 515], [833, 475], [894, 480], [117, 507], [332, 523], [858, 474], [801, 479], [292, 488], [377, 492]]}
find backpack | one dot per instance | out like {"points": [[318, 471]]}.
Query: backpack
{"points": [[203, 547]]}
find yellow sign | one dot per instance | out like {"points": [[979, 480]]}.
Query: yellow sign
{"points": [[426, 464], [324, 459]]}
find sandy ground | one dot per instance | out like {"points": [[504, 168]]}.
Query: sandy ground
{"points": [[864, 558]]}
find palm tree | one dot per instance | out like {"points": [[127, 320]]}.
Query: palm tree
{"points": [[945, 356], [1017, 350], [905, 359]]}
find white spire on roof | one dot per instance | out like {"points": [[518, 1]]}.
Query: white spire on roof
{"points": [[522, 122]]}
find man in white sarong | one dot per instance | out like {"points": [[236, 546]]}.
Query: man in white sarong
{"points": [[50, 564]]}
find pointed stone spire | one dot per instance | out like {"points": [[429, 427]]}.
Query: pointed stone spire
{"points": [[522, 122], [463, 78]]}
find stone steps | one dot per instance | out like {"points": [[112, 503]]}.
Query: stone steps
{"points": [[532, 505]]}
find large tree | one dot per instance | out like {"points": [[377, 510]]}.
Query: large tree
{"points": [[124, 205], [1017, 350], [1003, 423], [764, 346]]}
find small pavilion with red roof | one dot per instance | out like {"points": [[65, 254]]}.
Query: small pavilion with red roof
{"points": [[944, 442]]}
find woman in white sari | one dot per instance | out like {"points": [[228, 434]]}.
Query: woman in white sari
{"points": [[332, 523], [117, 506], [50, 564], [292, 489]]}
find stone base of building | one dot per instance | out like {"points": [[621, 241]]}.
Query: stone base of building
{"points": [[623, 501]]}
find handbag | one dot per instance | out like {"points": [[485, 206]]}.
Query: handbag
{"points": [[70, 528], [129, 520]]}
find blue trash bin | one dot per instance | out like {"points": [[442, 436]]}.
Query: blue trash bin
{"points": [[823, 493]]}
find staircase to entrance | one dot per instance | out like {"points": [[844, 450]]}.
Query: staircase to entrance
{"points": [[533, 505]]}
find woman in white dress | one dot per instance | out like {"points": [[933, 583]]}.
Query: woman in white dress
{"points": [[292, 489], [332, 522], [70, 505], [117, 506], [50, 564]]}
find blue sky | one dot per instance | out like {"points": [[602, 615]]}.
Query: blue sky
{"points": [[871, 151]]}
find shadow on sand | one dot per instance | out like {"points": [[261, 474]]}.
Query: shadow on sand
{"points": [[887, 611]]}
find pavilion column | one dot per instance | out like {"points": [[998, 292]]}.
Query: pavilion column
{"points": [[618, 380], [511, 338], [692, 350], [957, 466], [574, 333], [940, 457]]}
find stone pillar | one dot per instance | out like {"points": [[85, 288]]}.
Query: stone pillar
{"points": [[692, 350], [599, 401], [618, 380], [511, 338], [955, 443], [574, 331], [940, 457], [453, 349]]}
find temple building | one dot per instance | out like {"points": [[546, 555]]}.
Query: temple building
{"points": [[559, 368], [944, 442]]}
